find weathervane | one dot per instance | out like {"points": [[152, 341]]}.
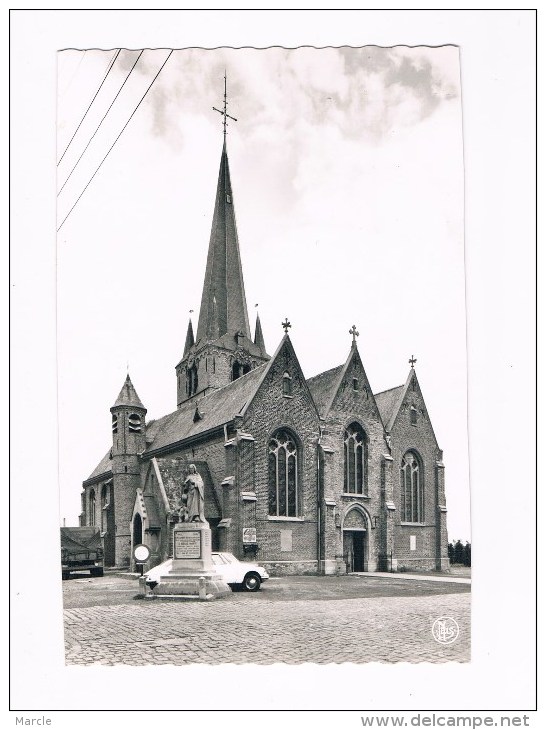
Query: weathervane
{"points": [[354, 333], [286, 324], [224, 111], [412, 361]]}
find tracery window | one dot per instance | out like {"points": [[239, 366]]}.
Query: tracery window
{"points": [[356, 460], [412, 489], [283, 475]]}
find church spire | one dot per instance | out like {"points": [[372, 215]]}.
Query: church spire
{"points": [[224, 274], [190, 340], [258, 336]]}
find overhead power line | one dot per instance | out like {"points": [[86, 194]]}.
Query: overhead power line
{"points": [[101, 121], [112, 62], [119, 135]]}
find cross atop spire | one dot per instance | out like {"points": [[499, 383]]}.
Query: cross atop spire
{"points": [[412, 361], [354, 333], [223, 111], [286, 325]]}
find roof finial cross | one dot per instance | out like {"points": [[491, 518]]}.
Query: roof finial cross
{"points": [[354, 333], [286, 324], [223, 111], [412, 361]]}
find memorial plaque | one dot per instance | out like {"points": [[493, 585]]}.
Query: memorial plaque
{"points": [[187, 544]]}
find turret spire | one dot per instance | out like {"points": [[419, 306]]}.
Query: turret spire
{"points": [[258, 336], [128, 395], [190, 340]]}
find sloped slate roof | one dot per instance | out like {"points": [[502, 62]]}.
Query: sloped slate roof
{"points": [[387, 401], [218, 407], [322, 385], [103, 466]]}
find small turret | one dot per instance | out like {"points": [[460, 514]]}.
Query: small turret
{"points": [[190, 340], [128, 421], [128, 441], [258, 335]]}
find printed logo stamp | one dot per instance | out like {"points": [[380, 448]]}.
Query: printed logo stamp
{"points": [[445, 630]]}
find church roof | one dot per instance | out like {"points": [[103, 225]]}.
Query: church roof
{"points": [[223, 302], [215, 409], [388, 403], [322, 386], [128, 395], [104, 466]]}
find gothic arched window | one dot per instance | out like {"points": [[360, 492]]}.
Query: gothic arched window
{"points": [[283, 475], [114, 423], [191, 381], [103, 505], [92, 506], [412, 488], [356, 460], [238, 369]]}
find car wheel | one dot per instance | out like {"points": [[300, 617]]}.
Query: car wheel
{"points": [[97, 572], [252, 582], [66, 575]]}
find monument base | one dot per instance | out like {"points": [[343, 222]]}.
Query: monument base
{"points": [[183, 584], [191, 572]]}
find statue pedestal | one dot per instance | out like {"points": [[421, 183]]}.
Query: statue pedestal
{"points": [[192, 573]]}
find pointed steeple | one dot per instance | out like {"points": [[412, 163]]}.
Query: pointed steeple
{"points": [[189, 338], [258, 336], [128, 396], [224, 274]]}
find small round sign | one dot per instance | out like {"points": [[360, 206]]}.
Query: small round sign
{"points": [[141, 553]]}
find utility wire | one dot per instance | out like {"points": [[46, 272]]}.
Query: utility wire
{"points": [[92, 100], [101, 121], [119, 135]]}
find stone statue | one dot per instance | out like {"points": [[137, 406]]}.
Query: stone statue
{"points": [[194, 489]]}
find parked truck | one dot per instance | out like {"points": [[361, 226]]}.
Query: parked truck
{"points": [[81, 550]]}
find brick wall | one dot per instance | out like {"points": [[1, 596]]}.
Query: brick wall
{"points": [[288, 543], [354, 402], [418, 437]]}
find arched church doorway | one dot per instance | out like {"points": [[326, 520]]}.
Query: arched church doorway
{"points": [[355, 541], [137, 530]]}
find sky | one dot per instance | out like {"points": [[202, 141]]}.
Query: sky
{"points": [[347, 174]]}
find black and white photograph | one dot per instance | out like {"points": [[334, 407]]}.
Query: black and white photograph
{"points": [[260, 296], [279, 248]]}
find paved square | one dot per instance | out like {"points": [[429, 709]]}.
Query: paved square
{"points": [[350, 620]]}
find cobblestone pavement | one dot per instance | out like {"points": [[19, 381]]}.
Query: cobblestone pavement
{"points": [[261, 629]]}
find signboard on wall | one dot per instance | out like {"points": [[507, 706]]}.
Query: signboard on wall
{"points": [[249, 535]]}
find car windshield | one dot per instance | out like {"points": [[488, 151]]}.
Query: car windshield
{"points": [[229, 558], [217, 559]]}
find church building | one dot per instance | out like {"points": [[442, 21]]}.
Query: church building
{"points": [[305, 475]]}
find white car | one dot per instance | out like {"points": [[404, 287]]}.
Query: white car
{"points": [[248, 576]]}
